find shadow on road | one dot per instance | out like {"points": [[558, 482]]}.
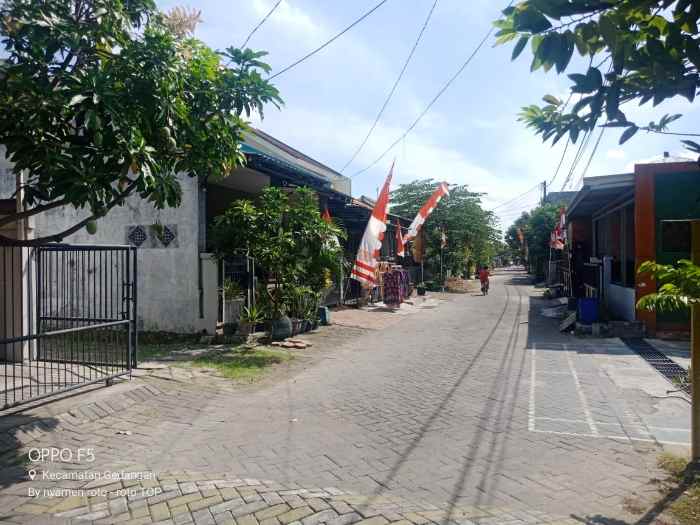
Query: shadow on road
{"points": [[689, 478], [14, 431], [386, 481]]}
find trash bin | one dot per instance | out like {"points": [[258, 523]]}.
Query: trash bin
{"points": [[588, 310]]}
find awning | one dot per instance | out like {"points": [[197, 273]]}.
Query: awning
{"points": [[275, 167], [599, 193]]}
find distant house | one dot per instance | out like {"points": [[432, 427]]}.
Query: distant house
{"points": [[616, 222]]}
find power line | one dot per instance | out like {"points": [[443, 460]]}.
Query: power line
{"points": [[434, 100], [516, 198], [393, 88], [328, 42], [274, 7], [582, 147], [590, 159]]}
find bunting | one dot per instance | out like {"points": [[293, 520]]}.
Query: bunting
{"points": [[371, 244], [441, 191]]}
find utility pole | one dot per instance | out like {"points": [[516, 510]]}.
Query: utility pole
{"points": [[544, 191], [695, 355]]}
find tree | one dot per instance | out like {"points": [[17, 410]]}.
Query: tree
{"points": [[286, 236], [536, 227], [678, 286], [637, 50], [470, 230], [513, 237], [101, 100]]}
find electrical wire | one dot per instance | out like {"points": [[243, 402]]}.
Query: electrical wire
{"points": [[590, 159], [434, 100], [582, 147], [268, 15], [393, 88], [328, 42], [516, 198]]}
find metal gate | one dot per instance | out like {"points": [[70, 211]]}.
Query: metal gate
{"points": [[67, 318]]}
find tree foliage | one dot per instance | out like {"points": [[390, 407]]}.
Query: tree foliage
{"points": [[637, 50], [286, 236], [678, 286], [100, 100], [536, 227], [470, 230]]}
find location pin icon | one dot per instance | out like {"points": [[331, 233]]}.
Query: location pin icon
{"points": [[31, 474]]}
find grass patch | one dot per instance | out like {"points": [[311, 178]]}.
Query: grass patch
{"points": [[153, 345], [685, 479], [246, 364]]}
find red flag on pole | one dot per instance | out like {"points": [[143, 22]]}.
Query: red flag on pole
{"points": [[399, 241], [326, 216], [371, 243], [426, 210]]}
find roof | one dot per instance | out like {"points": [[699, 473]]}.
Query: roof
{"points": [[560, 197], [294, 152], [257, 141], [599, 192]]}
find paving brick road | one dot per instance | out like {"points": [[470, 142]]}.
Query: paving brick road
{"points": [[476, 411]]}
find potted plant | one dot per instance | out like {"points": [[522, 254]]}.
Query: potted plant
{"points": [[250, 317], [420, 289]]}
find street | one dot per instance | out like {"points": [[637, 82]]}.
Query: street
{"points": [[477, 409]]}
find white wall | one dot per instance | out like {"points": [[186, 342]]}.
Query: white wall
{"points": [[168, 277]]}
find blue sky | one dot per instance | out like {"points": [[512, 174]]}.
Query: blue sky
{"points": [[471, 136]]}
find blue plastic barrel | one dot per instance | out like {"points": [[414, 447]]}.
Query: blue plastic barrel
{"points": [[588, 310]]}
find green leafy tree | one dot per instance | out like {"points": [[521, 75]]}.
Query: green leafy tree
{"points": [[101, 100], [537, 226], [286, 236], [636, 50], [512, 237], [678, 286], [470, 230]]}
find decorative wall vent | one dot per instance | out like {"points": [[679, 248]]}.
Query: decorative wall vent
{"points": [[152, 236], [136, 235]]}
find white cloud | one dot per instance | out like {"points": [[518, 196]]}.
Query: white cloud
{"points": [[616, 153]]}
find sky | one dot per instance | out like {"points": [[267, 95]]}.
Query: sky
{"points": [[470, 136]]}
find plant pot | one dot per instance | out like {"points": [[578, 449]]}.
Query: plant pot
{"points": [[324, 314], [420, 290], [280, 328], [245, 328], [297, 326]]}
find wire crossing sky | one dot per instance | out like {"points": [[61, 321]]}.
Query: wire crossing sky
{"points": [[393, 88]]}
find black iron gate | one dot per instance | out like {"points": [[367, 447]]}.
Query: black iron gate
{"points": [[67, 318]]}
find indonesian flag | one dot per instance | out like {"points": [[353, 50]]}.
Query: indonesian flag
{"points": [[399, 241], [326, 216], [367, 253], [426, 210]]}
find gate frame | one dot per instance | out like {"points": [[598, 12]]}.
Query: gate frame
{"points": [[33, 332]]}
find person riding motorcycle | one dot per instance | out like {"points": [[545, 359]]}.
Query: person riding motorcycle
{"points": [[484, 278]]}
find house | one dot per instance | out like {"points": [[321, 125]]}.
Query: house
{"points": [[179, 280], [616, 222]]}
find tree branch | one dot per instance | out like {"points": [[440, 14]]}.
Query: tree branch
{"points": [[34, 211], [58, 237]]}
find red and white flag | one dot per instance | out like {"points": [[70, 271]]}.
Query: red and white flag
{"points": [[371, 244], [441, 191], [399, 241]]}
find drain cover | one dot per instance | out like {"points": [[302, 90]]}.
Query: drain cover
{"points": [[675, 373]]}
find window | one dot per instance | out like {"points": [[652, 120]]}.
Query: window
{"points": [[675, 237]]}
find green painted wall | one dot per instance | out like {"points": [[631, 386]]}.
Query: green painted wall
{"points": [[677, 197]]}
